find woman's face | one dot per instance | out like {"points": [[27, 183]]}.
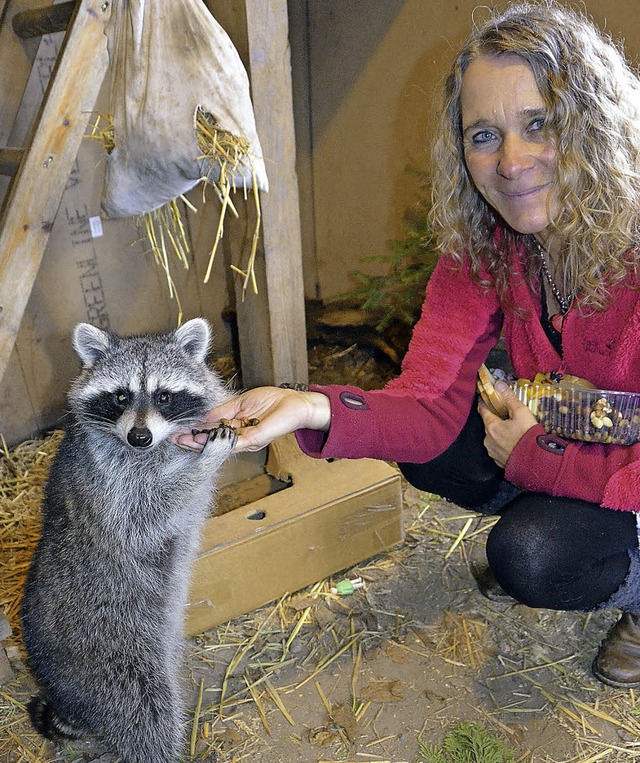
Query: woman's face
{"points": [[506, 146]]}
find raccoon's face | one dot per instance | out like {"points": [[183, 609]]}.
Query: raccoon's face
{"points": [[144, 417], [144, 388]]}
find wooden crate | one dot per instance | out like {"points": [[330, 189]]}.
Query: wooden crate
{"points": [[333, 514]]}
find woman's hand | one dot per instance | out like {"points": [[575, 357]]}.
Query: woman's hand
{"points": [[277, 412], [502, 435]]}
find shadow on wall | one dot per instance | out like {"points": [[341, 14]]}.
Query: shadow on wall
{"points": [[350, 49]]}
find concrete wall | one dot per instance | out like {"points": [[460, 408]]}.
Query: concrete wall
{"points": [[365, 76]]}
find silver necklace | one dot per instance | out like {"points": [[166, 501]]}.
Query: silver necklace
{"points": [[564, 302]]}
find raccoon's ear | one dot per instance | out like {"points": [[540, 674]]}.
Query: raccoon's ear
{"points": [[90, 343], [194, 337]]}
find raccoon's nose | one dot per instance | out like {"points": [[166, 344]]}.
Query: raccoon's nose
{"points": [[139, 437]]}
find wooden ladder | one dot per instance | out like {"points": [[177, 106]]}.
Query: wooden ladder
{"points": [[40, 170]]}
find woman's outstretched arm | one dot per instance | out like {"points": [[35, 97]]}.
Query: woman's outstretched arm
{"points": [[263, 414]]}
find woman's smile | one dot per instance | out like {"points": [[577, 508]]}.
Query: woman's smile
{"points": [[526, 191]]}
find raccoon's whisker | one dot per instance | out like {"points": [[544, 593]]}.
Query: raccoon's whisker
{"points": [[230, 389], [187, 420], [185, 417], [98, 424], [99, 420], [189, 413]]}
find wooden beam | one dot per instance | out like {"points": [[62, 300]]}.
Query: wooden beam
{"points": [[16, 59], [270, 69], [10, 159], [37, 189], [271, 324], [47, 19], [3, 8]]}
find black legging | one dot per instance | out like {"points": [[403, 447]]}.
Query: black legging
{"points": [[556, 553]]}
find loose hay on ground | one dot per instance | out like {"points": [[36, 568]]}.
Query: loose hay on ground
{"points": [[23, 473]]}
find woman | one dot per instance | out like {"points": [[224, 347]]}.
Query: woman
{"points": [[536, 208]]}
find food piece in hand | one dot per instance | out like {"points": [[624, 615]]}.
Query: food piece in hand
{"points": [[244, 422]]}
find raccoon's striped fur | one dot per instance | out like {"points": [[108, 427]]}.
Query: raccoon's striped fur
{"points": [[103, 606]]}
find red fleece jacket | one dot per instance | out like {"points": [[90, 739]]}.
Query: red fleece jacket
{"points": [[420, 413]]}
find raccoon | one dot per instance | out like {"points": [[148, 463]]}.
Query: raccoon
{"points": [[102, 612]]}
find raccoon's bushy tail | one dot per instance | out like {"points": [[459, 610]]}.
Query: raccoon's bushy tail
{"points": [[48, 723]]}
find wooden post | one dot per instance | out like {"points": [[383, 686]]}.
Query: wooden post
{"points": [[16, 58], [10, 159], [47, 19], [271, 324], [270, 68]]}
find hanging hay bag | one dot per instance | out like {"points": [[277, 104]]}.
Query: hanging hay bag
{"points": [[175, 71]]}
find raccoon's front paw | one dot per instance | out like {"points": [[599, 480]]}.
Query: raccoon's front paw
{"points": [[223, 435]]}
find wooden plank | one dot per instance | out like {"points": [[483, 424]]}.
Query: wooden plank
{"points": [[299, 38], [10, 159], [38, 187], [270, 69], [3, 8], [48, 19], [16, 58], [271, 324]]}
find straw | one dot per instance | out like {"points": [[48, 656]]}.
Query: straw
{"points": [[226, 153], [223, 155]]}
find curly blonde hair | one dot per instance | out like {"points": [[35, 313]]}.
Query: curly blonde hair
{"points": [[592, 99]]}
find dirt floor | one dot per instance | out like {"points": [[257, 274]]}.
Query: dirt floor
{"points": [[385, 673]]}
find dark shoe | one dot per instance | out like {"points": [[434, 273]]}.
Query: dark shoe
{"points": [[489, 586], [617, 663]]}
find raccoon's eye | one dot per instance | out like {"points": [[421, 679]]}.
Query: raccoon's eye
{"points": [[121, 398], [163, 398]]}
